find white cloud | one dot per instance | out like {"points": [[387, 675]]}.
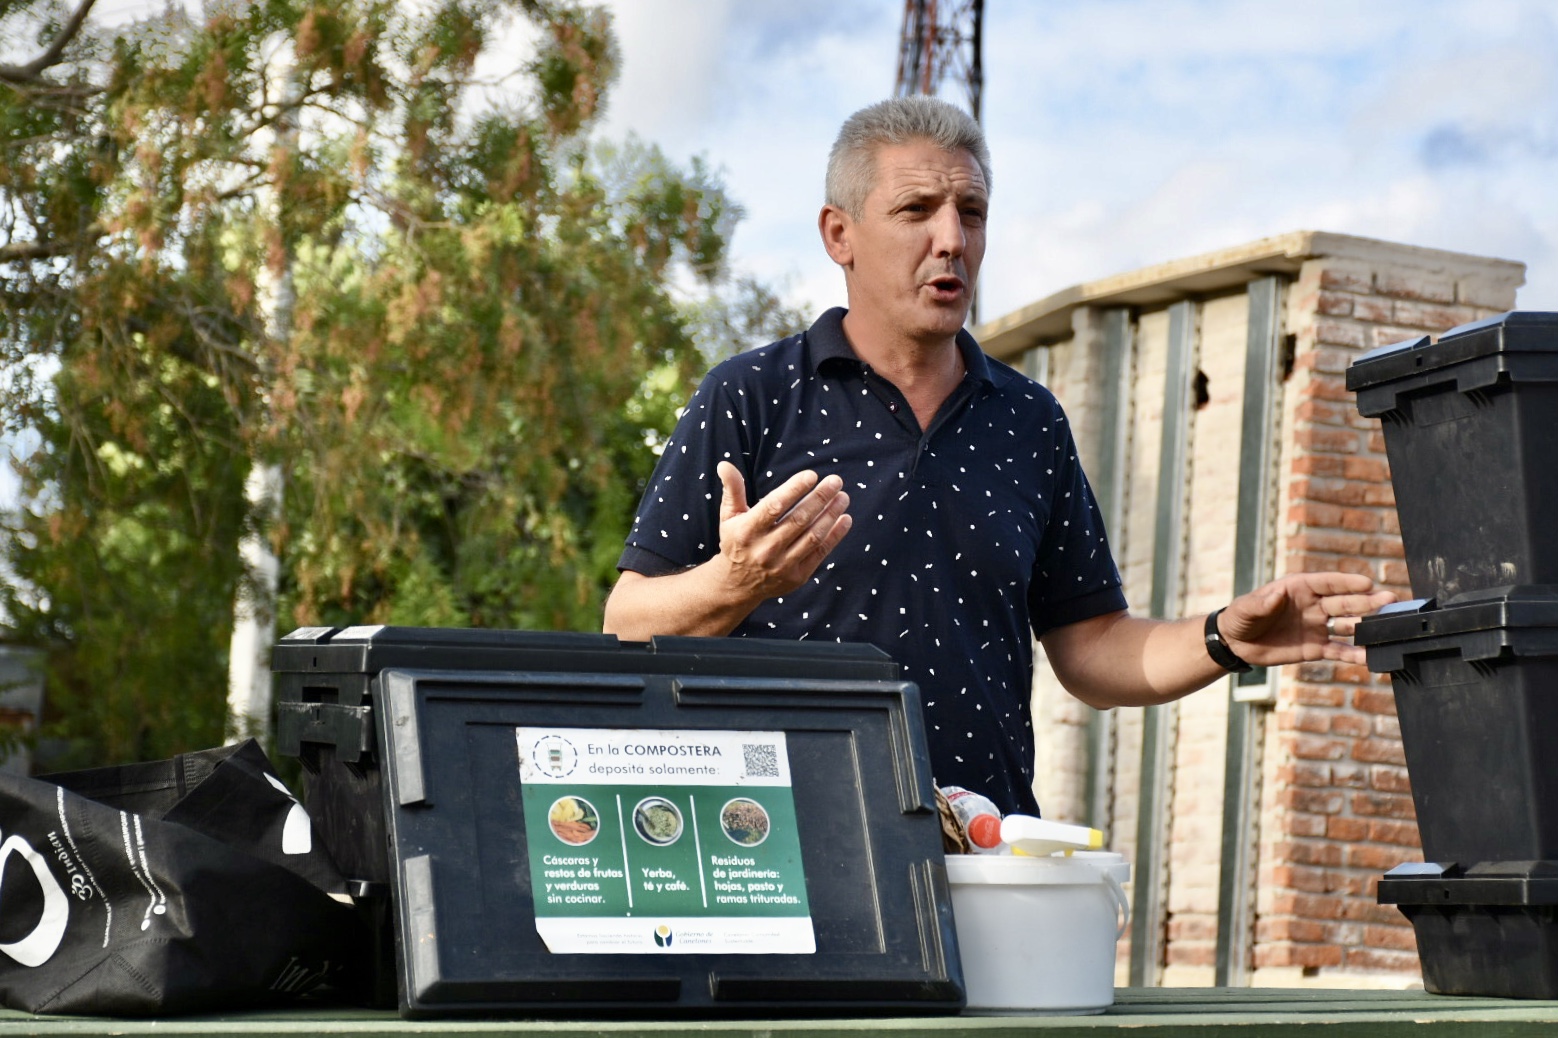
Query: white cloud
{"points": [[1145, 131], [666, 87], [1128, 132], [759, 88]]}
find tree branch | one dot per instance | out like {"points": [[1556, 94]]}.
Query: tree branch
{"points": [[34, 68], [23, 251], [55, 96]]}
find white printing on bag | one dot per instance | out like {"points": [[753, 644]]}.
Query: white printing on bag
{"points": [[297, 832], [78, 885], [38, 946], [140, 868]]}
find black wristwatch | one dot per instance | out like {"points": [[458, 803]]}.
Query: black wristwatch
{"points": [[1218, 649]]}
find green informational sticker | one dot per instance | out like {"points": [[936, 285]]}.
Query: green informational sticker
{"points": [[663, 841]]}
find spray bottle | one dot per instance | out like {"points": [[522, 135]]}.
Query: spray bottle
{"points": [[1038, 837]]}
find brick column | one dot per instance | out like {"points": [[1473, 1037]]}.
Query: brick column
{"points": [[1337, 807], [1060, 721]]}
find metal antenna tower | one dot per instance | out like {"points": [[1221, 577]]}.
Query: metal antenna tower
{"points": [[941, 36]]}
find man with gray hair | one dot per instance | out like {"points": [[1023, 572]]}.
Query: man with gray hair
{"points": [[970, 525]]}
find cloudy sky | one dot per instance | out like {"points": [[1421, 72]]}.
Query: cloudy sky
{"points": [[1129, 132], [1126, 132]]}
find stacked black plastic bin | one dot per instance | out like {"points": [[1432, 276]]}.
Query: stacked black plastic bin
{"points": [[1471, 430]]}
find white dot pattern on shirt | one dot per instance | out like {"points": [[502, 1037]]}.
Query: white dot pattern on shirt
{"points": [[996, 471]]}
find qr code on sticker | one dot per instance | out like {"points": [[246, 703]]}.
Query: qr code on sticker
{"points": [[762, 759]]}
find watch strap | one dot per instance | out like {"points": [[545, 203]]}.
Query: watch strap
{"points": [[1218, 649]]}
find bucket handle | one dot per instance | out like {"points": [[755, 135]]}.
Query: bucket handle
{"points": [[1122, 904]]}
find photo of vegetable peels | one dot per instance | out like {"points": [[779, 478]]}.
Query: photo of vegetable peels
{"points": [[574, 820]]}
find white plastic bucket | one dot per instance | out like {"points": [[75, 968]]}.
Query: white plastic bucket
{"points": [[1038, 935]]}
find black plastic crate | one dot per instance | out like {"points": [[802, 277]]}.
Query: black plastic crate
{"points": [[1476, 689], [419, 743], [1471, 431], [323, 679], [1489, 928]]}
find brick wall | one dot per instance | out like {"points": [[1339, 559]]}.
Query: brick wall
{"points": [[1337, 809], [1195, 828], [1061, 731]]}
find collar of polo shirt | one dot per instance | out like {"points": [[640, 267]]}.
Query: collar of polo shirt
{"points": [[827, 342]]}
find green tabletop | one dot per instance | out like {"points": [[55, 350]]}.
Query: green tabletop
{"points": [[1144, 1012]]}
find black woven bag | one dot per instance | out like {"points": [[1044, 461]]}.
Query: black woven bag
{"points": [[188, 884]]}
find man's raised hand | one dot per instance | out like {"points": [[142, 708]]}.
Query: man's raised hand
{"points": [[1305, 616], [773, 547]]}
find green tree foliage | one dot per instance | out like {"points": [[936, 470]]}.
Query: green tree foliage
{"points": [[306, 234]]}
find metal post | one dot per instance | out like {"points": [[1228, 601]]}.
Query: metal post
{"points": [[1159, 722], [1252, 565], [1108, 481]]}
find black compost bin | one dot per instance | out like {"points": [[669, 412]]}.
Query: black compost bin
{"points": [[1471, 430], [1476, 688], [569, 823], [1485, 929]]}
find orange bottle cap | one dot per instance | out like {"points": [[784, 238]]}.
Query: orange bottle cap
{"points": [[985, 831]]}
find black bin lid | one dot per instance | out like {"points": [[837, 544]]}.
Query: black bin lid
{"points": [[1521, 345], [1450, 884], [370, 649], [1486, 624]]}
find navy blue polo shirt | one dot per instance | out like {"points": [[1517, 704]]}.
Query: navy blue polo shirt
{"points": [[968, 537]]}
